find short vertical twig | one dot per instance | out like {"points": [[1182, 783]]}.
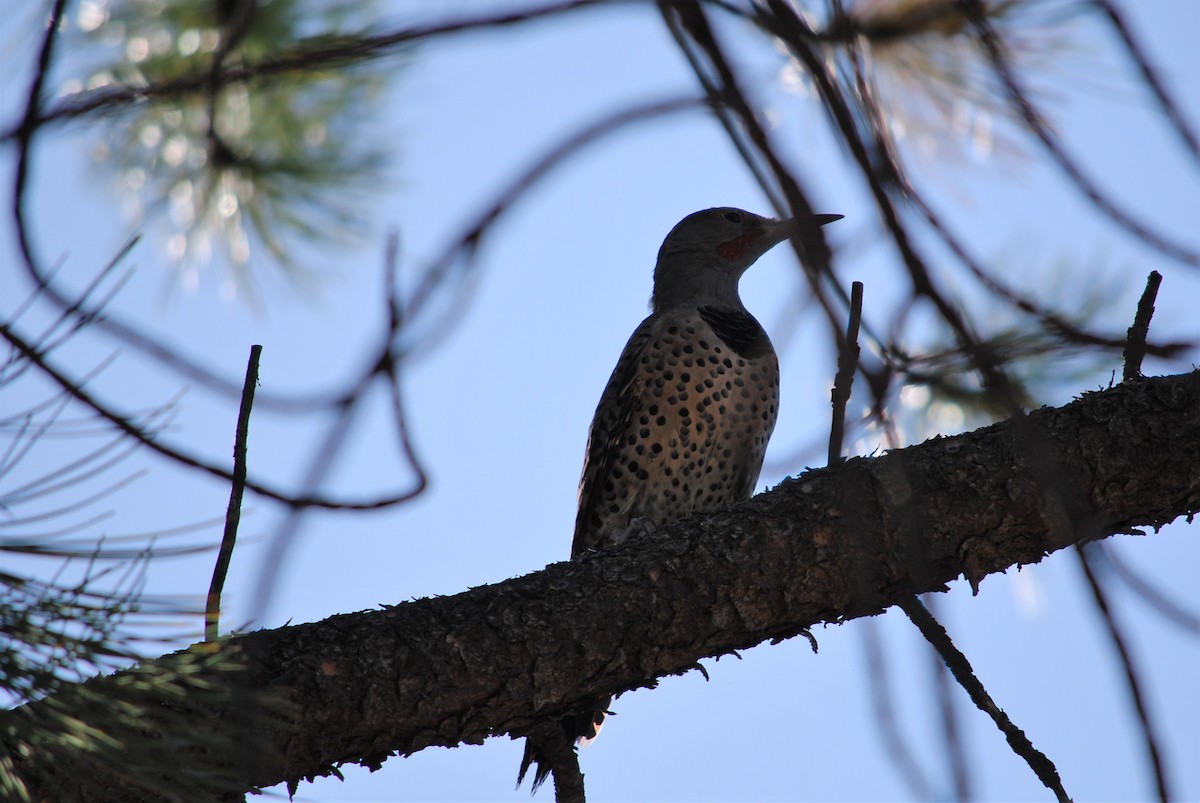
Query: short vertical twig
{"points": [[844, 379], [1135, 339], [233, 514]]}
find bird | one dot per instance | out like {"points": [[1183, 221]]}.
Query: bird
{"points": [[683, 423]]}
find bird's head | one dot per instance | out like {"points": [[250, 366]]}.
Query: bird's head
{"points": [[706, 253]]}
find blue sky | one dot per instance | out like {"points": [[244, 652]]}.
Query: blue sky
{"points": [[500, 408]]}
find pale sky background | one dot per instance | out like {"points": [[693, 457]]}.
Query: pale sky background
{"points": [[500, 409]]}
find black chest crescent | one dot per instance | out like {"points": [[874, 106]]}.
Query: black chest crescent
{"points": [[738, 329]]}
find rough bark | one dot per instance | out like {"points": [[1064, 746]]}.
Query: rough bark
{"points": [[829, 545]]}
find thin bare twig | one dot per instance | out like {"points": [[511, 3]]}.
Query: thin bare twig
{"points": [[1150, 76], [1135, 344], [385, 362], [843, 383], [390, 367], [233, 514], [1170, 610], [944, 688], [848, 354], [129, 428], [29, 123], [715, 94], [784, 23], [894, 741], [1132, 679], [325, 54], [844, 379], [466, 244], [975, 13], [960, 667], [1052, 320]]}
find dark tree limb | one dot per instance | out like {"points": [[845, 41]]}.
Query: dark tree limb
{"points": [[827, 546]]}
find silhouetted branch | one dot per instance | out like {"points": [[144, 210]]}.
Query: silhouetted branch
{"points": [[1042, 766], [994, 48], [233, 513], [1170, 610], [1052, 320], [41, 279], [323, 53], [462, 249], [137, 433], [465, 667], [716, 94], [894, 742], [391, 366], [844, 379], [1132, 680], [1135, 347], [1150, 75], [384, 365], [944, 685]]}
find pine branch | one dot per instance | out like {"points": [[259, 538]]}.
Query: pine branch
{"points": [[828, 546]]}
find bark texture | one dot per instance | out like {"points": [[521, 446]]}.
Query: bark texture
{"points": [[829, 545]]}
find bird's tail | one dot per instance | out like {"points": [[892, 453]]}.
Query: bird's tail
{"points": [[536, 752], [550, 746]]}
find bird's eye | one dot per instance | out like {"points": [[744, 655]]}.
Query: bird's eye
{"points": [[733, 217]]}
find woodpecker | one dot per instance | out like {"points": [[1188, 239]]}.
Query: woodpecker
{"points": [[682, 426]]}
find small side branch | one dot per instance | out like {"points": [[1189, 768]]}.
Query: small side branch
{"points": [[993, 47], [1135, 343], [960, 667], [844, 379], [894, 742], [1138, 697], [233, 515], [1170, 610], [1169, 108]]}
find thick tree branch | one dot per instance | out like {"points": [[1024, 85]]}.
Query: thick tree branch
{"points": [[827, 546]]}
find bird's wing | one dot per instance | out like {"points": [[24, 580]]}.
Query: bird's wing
{"points": [[610, 426]]}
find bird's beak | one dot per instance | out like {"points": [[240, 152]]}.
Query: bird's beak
{"points": [[780, 230]]}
